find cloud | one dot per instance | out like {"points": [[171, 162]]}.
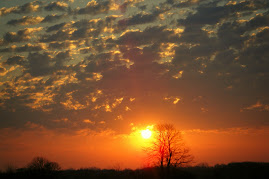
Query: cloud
{"points": [[127, 3], [256, 107], [56, 27], [92, 28], [15, 60], [176, 50], [25, 48], [196, 35], [254, 56], [20, 36], [81, 29], [61, 58], [172, 99], [58, 6], [259, 20], [30, 20], [25, 8], [39, 64], [229, 131], [102, 62], [210, 13], [140, 18], [60, 35], [85, 50], [148, 36], [2, 70], [144, 71], [34, 126], [53, 18], [64, 45], [184, 4], [88, 121], [28, 7], [262, 37], [231, 34], [5, 11], [95, 8], [26, 20], [71, 103]]}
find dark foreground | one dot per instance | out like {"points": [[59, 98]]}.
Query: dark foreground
{"points": [[246, 170]]}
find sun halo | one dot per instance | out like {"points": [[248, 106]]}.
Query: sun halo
{"points": [[146, 134]]}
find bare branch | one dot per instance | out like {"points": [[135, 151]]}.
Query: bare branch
{"points": [[168, 148]]}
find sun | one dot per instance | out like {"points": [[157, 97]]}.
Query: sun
{"points": [[146, 133]]}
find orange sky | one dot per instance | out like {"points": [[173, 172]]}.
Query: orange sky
{"points": [[80, 78], [106, 149]]}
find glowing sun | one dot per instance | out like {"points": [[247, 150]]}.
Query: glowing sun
{"points": [[146, 133]]}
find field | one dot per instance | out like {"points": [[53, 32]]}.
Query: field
{"points": [[246, 170]]}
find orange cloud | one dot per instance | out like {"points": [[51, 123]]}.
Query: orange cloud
{"points": [[256, 107]]}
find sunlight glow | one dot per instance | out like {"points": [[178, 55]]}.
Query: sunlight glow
{"points": [[146, 133]]}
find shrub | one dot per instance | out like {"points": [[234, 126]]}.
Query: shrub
{"points": [[43, 164]]}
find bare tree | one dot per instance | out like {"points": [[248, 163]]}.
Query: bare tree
{"points": [[168, 148], [43, 164]]}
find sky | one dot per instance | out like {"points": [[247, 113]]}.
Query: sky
{"points": [[80, 78]]}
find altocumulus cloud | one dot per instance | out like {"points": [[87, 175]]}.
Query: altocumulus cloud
{"points": [[85, 61]]}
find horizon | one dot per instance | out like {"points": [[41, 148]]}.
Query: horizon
{"points": [[80, 80]]}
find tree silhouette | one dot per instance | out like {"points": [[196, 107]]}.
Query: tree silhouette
{"points": [[168, 148], [42, 164]]}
